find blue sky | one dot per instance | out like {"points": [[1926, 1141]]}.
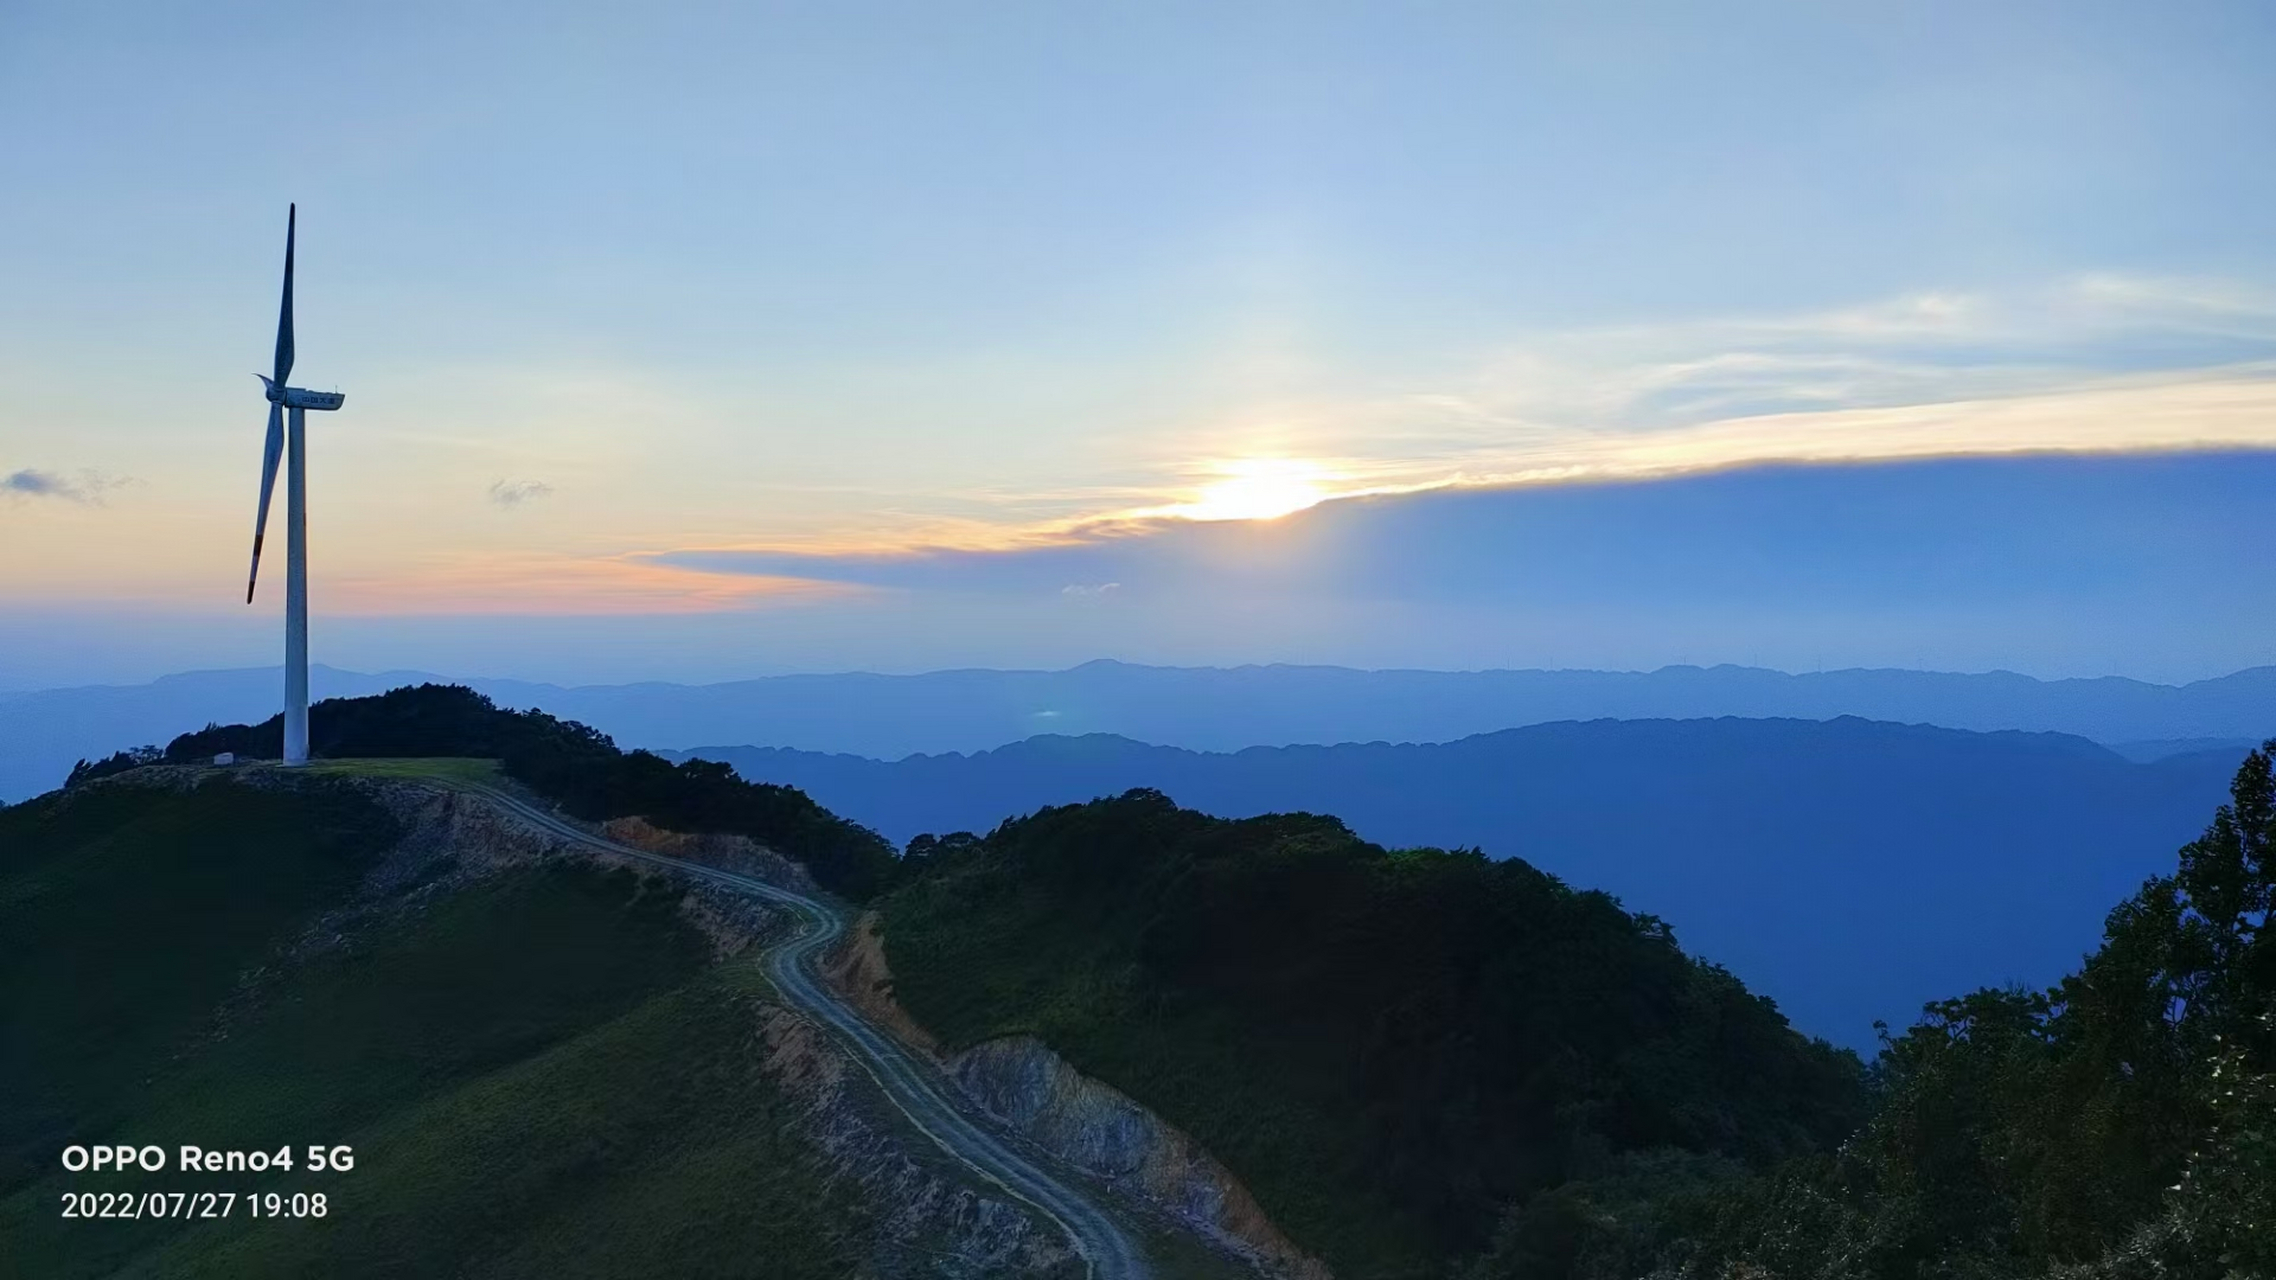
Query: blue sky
{"points": [[628, 301]]}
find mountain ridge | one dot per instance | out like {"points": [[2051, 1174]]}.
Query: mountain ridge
{"points": [[1803, 854], [1204, 708]]}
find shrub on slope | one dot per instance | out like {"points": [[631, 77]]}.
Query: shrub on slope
{"points": [[1387, 1047]]}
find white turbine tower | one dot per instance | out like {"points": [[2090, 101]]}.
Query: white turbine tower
{"points": [[281, 398]]}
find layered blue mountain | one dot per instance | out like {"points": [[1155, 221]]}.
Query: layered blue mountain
{"points": [[1203, 708], [1851, 869]]}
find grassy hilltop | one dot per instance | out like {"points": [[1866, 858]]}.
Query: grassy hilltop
{"points": [[540, 1075], [573, 765]]}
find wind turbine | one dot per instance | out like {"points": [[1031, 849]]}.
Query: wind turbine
{"points": [[281, 398]]}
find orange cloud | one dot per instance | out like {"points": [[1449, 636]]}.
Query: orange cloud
{"points": [[559, 586]]}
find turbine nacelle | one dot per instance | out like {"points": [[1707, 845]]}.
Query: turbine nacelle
{"points": [[300, 398]]}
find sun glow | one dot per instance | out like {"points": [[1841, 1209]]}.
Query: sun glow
{"points": [[1256, 489]]}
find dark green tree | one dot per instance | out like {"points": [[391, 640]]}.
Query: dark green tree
{"points": [[2121, 1125]]}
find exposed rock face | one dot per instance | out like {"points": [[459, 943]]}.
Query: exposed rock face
{"points": [[856, 969], [739, 854], [1019, 1080], [1022, 1083], [926, 1224], [445, 833]]}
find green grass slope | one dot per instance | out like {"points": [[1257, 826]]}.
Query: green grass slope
{"points": [[542, 1075], [1388, 1048], [126, 915]]}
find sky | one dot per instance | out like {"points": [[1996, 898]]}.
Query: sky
{"points": [[694, 341]]}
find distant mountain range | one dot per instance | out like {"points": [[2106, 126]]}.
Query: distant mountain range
{"points": [[1851, 869], [1800, 848], [1208, 709], [1202, 708]]}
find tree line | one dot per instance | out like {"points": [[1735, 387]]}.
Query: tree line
{"points": [[576, 766]]}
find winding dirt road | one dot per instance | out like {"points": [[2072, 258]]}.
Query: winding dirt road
{"points": [[912, 1086]]}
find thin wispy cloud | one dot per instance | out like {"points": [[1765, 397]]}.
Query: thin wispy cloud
{"points": [[31, 482], [2096, 363], [1918, 349], [509, 494]]}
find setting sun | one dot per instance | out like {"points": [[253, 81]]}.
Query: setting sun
{"points": [[1256, 489]]}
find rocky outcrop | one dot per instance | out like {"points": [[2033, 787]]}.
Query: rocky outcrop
{"points": [[927, 1224], [739, 854], [1020, 1082], [856, 970], [446, 835]]}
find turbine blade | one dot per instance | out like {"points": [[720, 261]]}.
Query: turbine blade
{"points": [[269, 455], [284, 312]]}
